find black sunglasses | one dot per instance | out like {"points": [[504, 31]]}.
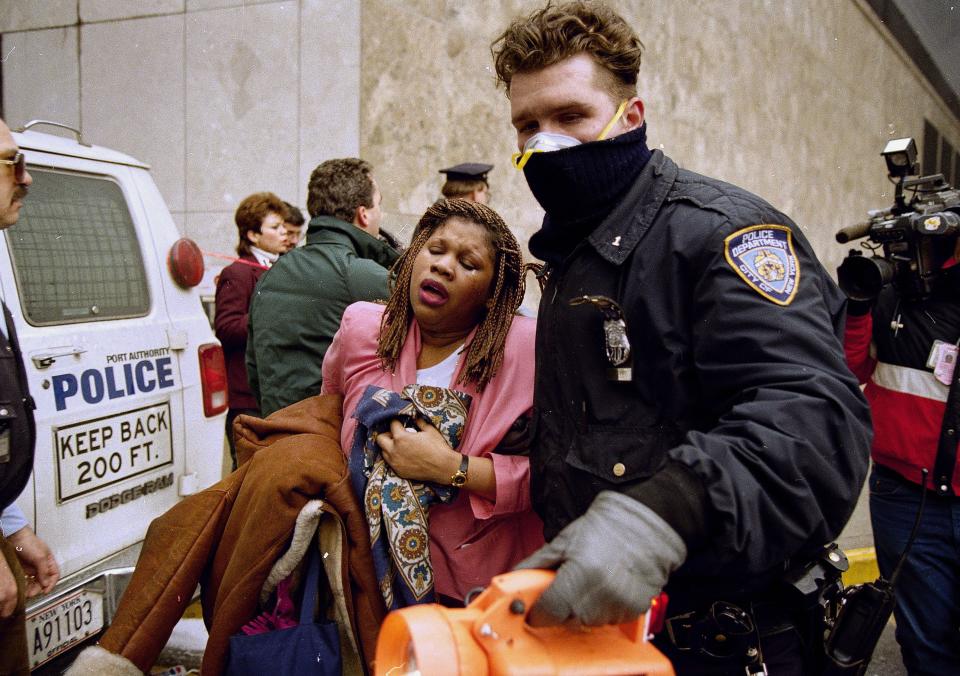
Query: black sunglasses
{"points": [[19, 163]]}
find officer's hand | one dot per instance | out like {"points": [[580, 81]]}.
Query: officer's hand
{"points": [[37, 561], [610, 563], [8, 590]]}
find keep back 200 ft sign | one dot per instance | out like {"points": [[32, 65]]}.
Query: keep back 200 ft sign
{"points": [[104, 451]]}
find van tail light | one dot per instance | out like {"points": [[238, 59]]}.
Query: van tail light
{"points": [[213, 378], [185, 262]]}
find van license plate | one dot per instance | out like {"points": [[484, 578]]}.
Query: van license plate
{"points": [[52, 630]]}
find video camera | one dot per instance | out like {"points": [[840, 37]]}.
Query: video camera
{"points": [[915, 237]]}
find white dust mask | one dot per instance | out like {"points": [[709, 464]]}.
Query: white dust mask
{"points": [[546, 141]]}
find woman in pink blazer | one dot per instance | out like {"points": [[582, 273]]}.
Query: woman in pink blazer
{"points": [[451, 322]]}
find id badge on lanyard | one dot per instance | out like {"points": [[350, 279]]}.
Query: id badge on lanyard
{"points": [[943, 360]]}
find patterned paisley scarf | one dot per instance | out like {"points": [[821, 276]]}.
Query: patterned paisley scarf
{"points": [[397, 508]]}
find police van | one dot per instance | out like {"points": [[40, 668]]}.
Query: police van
{"points": [[128, 379]]}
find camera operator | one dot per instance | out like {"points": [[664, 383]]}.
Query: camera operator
{"points": [[904, 347]]}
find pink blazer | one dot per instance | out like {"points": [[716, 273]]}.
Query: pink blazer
{"points": [[473, 538]]}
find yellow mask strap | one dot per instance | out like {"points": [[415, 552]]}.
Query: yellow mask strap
{"points": [[613, 121], [519, 160]]}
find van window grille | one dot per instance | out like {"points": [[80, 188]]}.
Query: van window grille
{"points": [[75, 252]]}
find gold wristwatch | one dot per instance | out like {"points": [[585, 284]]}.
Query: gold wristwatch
{"points": [[460, 477]]}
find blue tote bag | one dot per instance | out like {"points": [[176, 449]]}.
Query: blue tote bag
{"points": [[310, 648]]}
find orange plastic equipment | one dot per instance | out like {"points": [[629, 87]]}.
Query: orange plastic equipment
{"points": [[491, 637]]}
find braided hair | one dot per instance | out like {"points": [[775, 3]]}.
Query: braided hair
{"points": [[484, 354]]}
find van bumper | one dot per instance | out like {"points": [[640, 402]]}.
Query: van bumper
{"points": [[109, 576]]}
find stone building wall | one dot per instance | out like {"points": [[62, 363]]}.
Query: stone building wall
{"points": [[793, 100], [221, 97]]}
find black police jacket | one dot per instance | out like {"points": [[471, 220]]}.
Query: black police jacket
{"points": [[741, 425], [17, 428]]}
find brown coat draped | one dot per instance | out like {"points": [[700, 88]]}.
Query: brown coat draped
{"points": [[228, 537]]}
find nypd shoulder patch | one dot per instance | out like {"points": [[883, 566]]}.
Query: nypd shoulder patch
{"points": [[764, 258]]}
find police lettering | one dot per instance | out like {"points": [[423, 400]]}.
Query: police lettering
{"points": [[141, 427], [113, 382], [95, 439], [84, 442], [755, 239]]}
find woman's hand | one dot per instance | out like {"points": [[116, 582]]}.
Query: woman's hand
{"points": [[423, 455]]}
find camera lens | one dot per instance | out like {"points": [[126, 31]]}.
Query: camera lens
{"points": [[862, 277]]}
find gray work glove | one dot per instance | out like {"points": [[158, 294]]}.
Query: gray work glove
{"points": [[610, 563]]}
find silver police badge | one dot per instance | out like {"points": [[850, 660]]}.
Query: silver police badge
{"points": [[618, 347], [616, 343]]}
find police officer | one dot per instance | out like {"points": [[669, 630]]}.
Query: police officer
{"points": [[27, 566], [696, 427], [467, 181]]}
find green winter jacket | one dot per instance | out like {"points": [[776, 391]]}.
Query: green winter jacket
{"points": [[298, 303]]}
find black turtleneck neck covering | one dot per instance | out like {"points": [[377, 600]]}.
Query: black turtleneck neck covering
{"points": [[579, 186]]}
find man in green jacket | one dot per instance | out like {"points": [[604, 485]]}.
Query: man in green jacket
{"points": [[298, 304]]}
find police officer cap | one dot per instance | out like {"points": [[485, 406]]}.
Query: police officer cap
{"points": [[468, 171]]}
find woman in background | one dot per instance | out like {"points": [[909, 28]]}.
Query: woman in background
{"points": [[262, 238]]}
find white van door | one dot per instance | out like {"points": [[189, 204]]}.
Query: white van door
{"points": [[95, 334]]}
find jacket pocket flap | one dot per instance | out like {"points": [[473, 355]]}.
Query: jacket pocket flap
{"points": [[621, 454]]}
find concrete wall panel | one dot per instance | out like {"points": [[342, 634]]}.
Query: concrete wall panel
{"points": [[403, 101], [21, 15], [330, 92], [202, 5], [241, 129], [214, 232], [107, 10], [149, 122], [41, 78]]}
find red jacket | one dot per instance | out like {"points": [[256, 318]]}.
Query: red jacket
{"points": [[234, 290], [889, 352]]}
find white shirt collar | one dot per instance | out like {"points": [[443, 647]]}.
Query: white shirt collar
{"points": [[264, 258]]}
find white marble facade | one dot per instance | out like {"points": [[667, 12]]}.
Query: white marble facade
{"points": [[792, 100], [221, 97]]}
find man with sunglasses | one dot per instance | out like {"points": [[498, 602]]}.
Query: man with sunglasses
{"points": [[27, 567], [15, 178]]}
